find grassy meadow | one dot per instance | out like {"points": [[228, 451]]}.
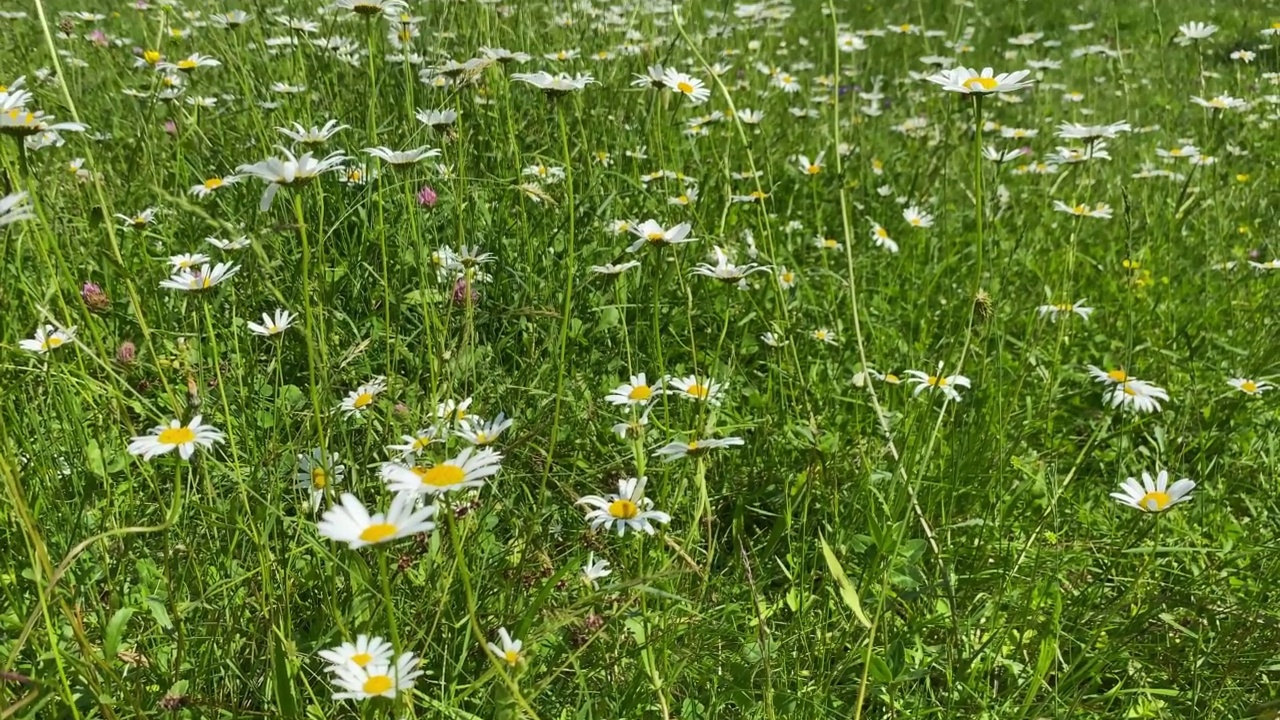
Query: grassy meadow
{"points": [[592, 360]]}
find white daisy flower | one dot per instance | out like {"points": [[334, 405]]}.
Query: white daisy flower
{"points": [[365, 651], [382, 680], [946, 385], [48, 337], [627, 510], [479, 432], [1135, 394], [594, 570], [510, 651], [676, 450], [362, 397], [1054, 310], [971, 82], [467, 470], [1154, 496], [185, 438], [317, 473], [349, 522], [651, 233], [695, 388], [272, 325], [1250, 387]]}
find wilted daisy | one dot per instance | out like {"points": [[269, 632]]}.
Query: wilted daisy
{"points": [[289, 170], [1053, 310], [14, 208], [365, 651], [49, 337], [509, 651], [272, 325], [555, 84], [652, 234], [376, 680], [944, 384], [316, 473], [189, 280], [695, 388], [692, 88], [349, 522], [637, 391], [724, 270], [676, 449], [400, 158], [633, 429], [971, 82], [594, 570], [481, 432], [1134, 394], [362, 397], [467, 470], [185, 438], [1154, 495], [627, 510]]}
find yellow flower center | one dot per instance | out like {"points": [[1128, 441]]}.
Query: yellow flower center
{"points": [[354, 175], [905, 28], [684, 87], [640, 392], [53, 341], [1065, 307], [440, 476], [813, 169], [213, 183], [511, 656], [176, 436], [882, 233], [829, 243], [187, 64], [623, 509], [1249, 386], [151, 56], [1155, 501], [377, 684], [1242, 177], [788, 277], [378, 532], [699, 391], [362, 400], [682, 199], [892, 379], [983, 84], [656, 236], [936, 381], [206, 282], [759, 194], [362, 659], [319, 478], [1117, 376], [1080, 209]]}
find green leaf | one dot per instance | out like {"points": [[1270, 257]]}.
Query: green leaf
{"points": [[158, 610], [848, 593], [115, 631]]}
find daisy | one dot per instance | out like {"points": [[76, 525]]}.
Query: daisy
{"points": [[365, 651], [239, 243], [654, 77], [633, 429], [1194, 31], [652, 234], [1186, 151], [724, 270], [479, 432], [380, 680], [1135, 394], [627, 510], [48, 338], [787, 278], [1109, 377], [202, 279], [272, 325], [24, 123], [437, 118], [881, 238], [690, 87], [510, 651], [313, 136], [369, 8], [1154, 496], [358, 400], [636, 392], [411, 445], [140, 220], [454, 411], [824, 335], [595, 569], [972, 82], [1101, 210], [397, 158], [467, 470], [916, 217], [614, 269], [190, 63], [185, 438], [504, 55], [695, 388], [810, 167], [750, 117], [316, 473], [289, 170], [14, 208], [675, 450], [945, 385], [1220, 102], [771, 339], [1056, 309], [555, 84], [349, 522], [1076, 131], [207, 188], [1250, 387]]}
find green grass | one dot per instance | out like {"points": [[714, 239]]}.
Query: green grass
{"points": [[865, 553]]}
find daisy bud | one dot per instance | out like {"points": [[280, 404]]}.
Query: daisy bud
{"points": [[427, 197], [94, 297], [126, 353]]}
